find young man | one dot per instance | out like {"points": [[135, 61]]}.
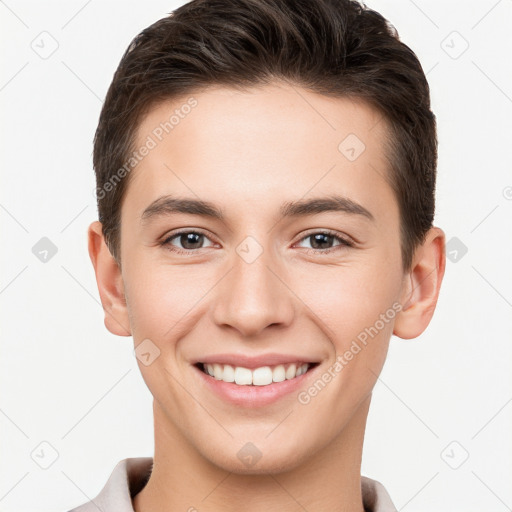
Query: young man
{"points": [[266, 177]]}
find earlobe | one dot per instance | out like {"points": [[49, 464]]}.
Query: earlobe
{"points": [[109, 281], [421, 286]]}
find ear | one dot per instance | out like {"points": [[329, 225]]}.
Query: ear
{"points": [[421, 286], [110, 282]]}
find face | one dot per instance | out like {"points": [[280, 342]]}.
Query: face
{"points": [[294, 260]]}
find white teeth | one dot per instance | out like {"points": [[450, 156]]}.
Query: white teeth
{"points": [[243, 376], [217, 371], [262, 376], [291, 371], [278, 375], [229, 374]]}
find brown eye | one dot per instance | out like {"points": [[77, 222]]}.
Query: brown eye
{"points": [[187, 241], [322, 242]]}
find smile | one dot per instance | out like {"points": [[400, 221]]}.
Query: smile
{"points": [[262, 376]]}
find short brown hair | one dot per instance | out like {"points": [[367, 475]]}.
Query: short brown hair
{"points": [[338, 48]]}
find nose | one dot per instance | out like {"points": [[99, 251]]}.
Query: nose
{"points": [[253, 296]]}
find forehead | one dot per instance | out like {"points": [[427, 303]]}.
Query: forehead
{"points": [[272, 114], [277, 140]]}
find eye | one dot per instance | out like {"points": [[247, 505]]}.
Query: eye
{"points": [[189, 241], [321, 242]]}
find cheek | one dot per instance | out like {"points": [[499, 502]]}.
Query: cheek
{"points": [[162, 300], [355, 310], [347, 300]]}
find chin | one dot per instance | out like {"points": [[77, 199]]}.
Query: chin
{"points": [[258, 457]]}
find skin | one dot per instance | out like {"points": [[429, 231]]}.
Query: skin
{"points": [[248, 152]]}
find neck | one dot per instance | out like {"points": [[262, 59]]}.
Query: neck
{"points": [[184, 480]]}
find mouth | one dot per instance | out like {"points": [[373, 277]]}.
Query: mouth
{"points": [[262, 376]]}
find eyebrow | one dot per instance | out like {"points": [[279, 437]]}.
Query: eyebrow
{"points": [[168, 205]]}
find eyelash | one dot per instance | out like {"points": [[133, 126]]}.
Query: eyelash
{"points": [[343, 242]]}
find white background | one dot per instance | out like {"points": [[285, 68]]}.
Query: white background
{"points": [[68, 382]]}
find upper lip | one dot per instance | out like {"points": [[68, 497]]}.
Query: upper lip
{"points": [[252, 362]]}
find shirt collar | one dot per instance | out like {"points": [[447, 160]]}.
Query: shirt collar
{"points": [[131, 475]]}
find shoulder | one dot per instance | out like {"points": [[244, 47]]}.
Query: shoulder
{"points": [[127, 478], [375, 496]]}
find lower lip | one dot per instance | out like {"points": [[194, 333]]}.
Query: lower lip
{"points": [[253, 396]]}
